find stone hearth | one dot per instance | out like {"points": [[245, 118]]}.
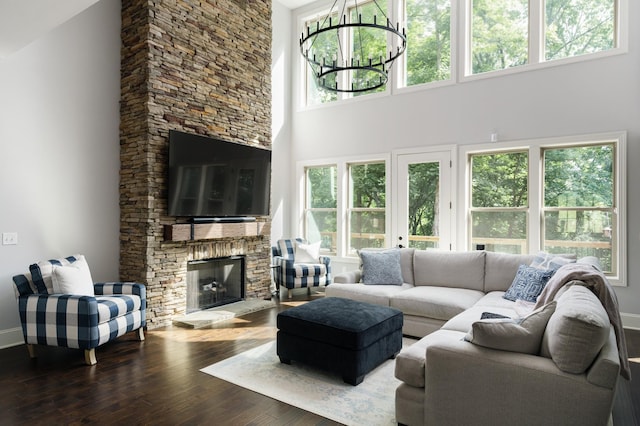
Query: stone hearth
{"points": [[201, 67]]}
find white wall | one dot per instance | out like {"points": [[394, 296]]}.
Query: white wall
{"points": [[59, 151], [282, 167], [572, 99]]}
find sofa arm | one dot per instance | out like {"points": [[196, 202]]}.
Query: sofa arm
{"points": [[111, 288], [59, 320], [469, 384], [349, 277]]}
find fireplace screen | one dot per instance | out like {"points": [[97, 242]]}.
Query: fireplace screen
{"points": [[214, 282]]}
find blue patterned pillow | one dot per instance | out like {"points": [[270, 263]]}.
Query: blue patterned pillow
{"points": [[528, 283], [381, 267]]}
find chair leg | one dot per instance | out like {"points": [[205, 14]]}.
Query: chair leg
{"points": [[141, 334], [289, 295], [90, 356], [32, 351]]}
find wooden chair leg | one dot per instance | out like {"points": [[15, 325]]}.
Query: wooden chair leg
{"points": [[289, 295], [32, 351], [90, 356], [141, 334]]}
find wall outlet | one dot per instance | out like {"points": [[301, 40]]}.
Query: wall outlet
{"points": [[9, 238]]}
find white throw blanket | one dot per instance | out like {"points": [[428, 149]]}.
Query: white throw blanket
{"points": [[596, 281]]}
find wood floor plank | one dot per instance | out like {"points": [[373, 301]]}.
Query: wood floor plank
{"points": [[158, 382]]}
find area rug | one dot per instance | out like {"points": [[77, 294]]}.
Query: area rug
{"points": [[211, 316], [370, 403]]}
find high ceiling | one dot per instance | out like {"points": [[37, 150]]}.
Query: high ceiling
{"points": [[24, 21]]}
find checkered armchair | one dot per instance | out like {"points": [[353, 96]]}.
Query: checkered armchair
{"points": [[291, 274], [83, 318]]}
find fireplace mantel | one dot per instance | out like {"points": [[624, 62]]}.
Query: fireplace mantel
{"points": [[212, 231]]}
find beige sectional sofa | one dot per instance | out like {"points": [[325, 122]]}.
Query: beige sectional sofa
{"points": [[459, 373]]}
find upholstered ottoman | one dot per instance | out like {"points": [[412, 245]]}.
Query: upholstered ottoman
{"points": [[340, 335]]}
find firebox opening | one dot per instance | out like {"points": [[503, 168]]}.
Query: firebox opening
{"points": [[215, 282]]}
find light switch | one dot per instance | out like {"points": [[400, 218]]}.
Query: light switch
{"points": [[9, 238]]}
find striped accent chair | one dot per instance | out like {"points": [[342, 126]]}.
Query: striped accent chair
{"points": [[291, 274], [101, 313]]}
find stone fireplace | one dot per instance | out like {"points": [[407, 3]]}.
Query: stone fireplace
{"points": [[214, 282], [201, 67]]}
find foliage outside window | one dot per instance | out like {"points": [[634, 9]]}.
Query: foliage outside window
{"points": [[428, 54], [500, 201], [424, 214], [579, 202], [500, 35], [579, 209], [321, 206], [367, 202]]}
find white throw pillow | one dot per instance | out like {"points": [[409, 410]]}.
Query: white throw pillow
{"points": [[73, 279], [307, 253]]}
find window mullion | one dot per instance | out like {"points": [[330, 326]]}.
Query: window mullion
{"points": [[536, 193], [536, 31]]}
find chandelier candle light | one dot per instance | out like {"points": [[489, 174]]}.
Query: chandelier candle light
{"points": [[361, 68]]}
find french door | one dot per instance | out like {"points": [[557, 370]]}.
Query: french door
{"points": [[423, 202]]}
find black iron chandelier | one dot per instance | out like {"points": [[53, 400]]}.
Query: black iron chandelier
{"points": [[343, 53]]}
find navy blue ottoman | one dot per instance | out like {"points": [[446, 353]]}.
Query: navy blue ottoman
{"points": [[348, 337]]}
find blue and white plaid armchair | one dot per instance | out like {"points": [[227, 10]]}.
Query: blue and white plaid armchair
{"points": [[76, 321], [292, 274]]}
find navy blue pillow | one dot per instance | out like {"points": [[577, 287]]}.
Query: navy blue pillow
{"points": [[528, 283]]}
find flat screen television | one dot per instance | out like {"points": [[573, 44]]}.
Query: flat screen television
{"points": [[211, 178]]}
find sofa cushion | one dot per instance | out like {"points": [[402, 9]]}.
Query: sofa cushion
{"points": [[410, 363], [524, 335], [577, 331], [41, 273], [528, 283], [501, 268], [381, 267], [376, 294], [449, 269], [464, 320], [441, 303]]}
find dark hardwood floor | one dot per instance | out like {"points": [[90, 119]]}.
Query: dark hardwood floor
{"points": [[158, 381]]}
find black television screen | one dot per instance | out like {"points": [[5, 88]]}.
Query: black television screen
{"points": [[211, 178]]}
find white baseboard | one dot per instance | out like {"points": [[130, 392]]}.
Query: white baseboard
{"points": [[11, 337], [631, 321]]}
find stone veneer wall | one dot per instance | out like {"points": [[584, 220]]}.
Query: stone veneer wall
{"points": [[201, 67]]}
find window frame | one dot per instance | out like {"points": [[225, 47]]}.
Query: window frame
{"points": [[343, 193], [535, 148]]}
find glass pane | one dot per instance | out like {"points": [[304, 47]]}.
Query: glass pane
{"points": [[368, 185], [585, 233], [500, 34], [321, 225], [577, 27], [504, 232], [367, 230], [579, 176], [499, 180], [428, 54], [321, 187], [324, 47], [424, 205], [368, 43]]}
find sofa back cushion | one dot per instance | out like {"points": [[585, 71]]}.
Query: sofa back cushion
{"points": [[449, 269], [500, 269], [577, 330]]}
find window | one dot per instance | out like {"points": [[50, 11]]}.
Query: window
{"points": [[320, 213], [496, 35], [560, 196], [428, 55], [344, 204], [367, 202], [500, 201], [579, 208], [504, 33]]}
